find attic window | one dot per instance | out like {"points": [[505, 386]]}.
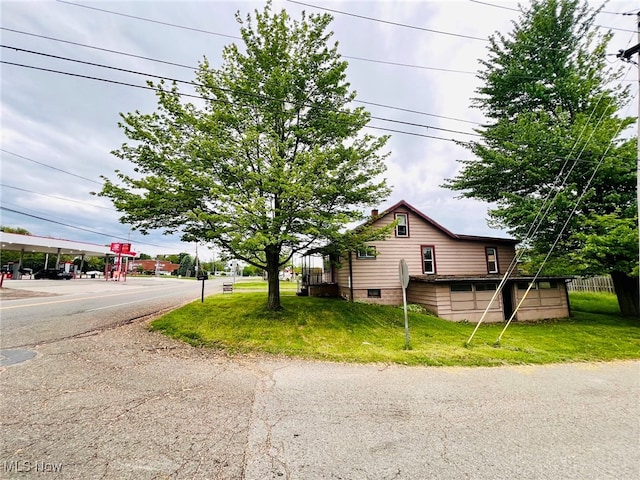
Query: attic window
{"points": [[402, 228]]}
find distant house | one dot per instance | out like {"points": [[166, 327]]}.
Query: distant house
{"points": [[161, 267], [453, 276]]}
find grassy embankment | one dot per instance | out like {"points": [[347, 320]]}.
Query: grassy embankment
{"points": [[331, 329]]}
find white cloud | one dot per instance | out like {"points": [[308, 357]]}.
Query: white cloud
{"points": [[71, 123]]}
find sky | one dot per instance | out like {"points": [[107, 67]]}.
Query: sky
{"points": [[59, 118]]}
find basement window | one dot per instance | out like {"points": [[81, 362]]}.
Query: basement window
{"points": [[374, 293]]}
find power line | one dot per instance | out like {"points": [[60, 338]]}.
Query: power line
{"points": [[49, 166], [76, 227], [388, 22], [517, 10], [382, 105], [415, 111], [159, 22], [200, 85], [78, 44], [398, 64], [350, 57], [416, 134], [364, 17], [58, 198]]}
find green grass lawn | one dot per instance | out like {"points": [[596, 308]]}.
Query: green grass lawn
{"points": [[332, 329], [259, 285]]}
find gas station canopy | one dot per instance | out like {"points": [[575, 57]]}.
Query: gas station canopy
{"points": [[34, 244]]}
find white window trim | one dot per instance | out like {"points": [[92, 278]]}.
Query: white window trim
{"points": [[433, 258], [495, 254], [406, 224]]}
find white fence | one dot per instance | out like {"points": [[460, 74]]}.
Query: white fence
{"points": [[591, 284]]}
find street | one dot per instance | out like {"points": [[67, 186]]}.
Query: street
{"points": [[73, 307], [125, 403]]}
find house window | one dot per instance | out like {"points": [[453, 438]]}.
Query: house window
{"points": [[492, 259], [367, 252], [547, 285], [402, 228], [525, 286], [485, 287], [373, 293], [428, 259]]}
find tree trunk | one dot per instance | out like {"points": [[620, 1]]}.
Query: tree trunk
{"points": [[273, 260], [628, 294]]}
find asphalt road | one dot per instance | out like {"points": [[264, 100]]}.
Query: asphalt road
{"points": [[59, 309], [126, 403]]}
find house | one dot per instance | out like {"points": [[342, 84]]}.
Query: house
{"points": [[453, 276], [162, 267]]}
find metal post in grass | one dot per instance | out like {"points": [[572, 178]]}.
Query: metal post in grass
{"points": [[204, 276], [404, 281]]}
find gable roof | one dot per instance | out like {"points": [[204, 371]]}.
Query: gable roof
{"points": [[437, 226]]}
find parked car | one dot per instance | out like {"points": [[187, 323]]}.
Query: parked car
{"points": [[53, 274], [7, 270]]}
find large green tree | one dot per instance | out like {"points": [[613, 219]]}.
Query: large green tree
{"points": [[553, 156], [269, 161]]}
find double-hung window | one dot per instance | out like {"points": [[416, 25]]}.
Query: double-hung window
{"points": [[492, 259], [402, 227], [428, 259], [367, 252]]}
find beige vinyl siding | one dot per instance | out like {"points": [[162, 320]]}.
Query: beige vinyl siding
{"points": [[471, 306], [542, 303], [457, 306], [452, 257], [424, 294]]}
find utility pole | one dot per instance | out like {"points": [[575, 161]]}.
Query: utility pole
{"points": [[626, 56]]}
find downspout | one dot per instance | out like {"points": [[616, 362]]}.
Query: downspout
{"points": [[350, 277]]}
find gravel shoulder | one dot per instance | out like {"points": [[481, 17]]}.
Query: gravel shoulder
{"points": [[17, 294]]}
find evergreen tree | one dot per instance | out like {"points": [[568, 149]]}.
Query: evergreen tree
{"points": [[554, 145]]}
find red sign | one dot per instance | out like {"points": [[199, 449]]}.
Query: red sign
{"points": [[120, 247]]}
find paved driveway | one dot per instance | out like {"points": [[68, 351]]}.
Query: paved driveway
{"points": [[128, 403]]}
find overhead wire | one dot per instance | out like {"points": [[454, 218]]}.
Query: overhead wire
{"points": [[188, 82], [88, 230], [540, 216], [167, 23], [50, 166], [210, 32], [388, 22], [559, 236], [144, 19], [81, 202], [191, 67], [184, 94], [518, 10]]}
